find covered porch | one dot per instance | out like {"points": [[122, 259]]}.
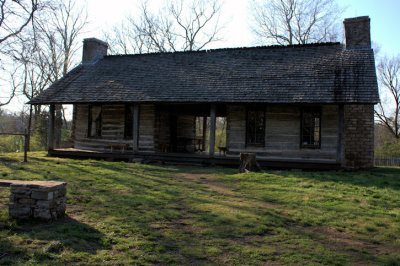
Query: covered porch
{"points": [[151, 128], [186, 133]]}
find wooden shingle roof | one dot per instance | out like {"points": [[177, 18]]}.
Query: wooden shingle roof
{"points": [[319, 73]]}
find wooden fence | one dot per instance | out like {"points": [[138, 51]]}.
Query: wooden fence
{"points": [[389, 161]]}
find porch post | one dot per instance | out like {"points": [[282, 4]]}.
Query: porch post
{"points": [[50, 139], [135, 144], [339, 149], [212, 128], [203, 148]]}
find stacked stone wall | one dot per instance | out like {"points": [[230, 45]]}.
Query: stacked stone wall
{"points": [[41, 200], [359, 136]]}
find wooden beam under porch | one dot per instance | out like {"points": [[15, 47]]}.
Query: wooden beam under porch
{"points": [[196, 159]]}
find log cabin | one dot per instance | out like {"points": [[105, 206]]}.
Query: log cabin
{"points": [[297, 106]]}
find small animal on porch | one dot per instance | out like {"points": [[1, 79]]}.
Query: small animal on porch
{"points": [[222, 150]]}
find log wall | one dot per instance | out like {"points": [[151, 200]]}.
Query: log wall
{"points": [[154, 128], [162, 135], [81, 122], [282, 132], [113, 127], [186, 129], [236, 128], [113, 122], [146, 127]]}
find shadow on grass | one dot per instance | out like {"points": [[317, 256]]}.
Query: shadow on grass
{"points": [[8, 160], [73, 234], [376, 177], [191, 231], [9, 253], [146, 210]]}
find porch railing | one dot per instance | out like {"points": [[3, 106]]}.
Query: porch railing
{"points": [[387, 161]]}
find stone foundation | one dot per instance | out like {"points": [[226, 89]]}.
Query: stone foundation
{"points": [[41, 200]]}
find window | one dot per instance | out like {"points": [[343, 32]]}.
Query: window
{"points": [[94, 120], [311, 128], [255, 127], [128, 132]]}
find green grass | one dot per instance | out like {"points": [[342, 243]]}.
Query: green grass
{"points": [[124, 213]]}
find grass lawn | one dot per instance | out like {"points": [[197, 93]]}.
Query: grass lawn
{"points": [[125, 213]]}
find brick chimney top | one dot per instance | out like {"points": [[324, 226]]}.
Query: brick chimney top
{"points": [[358, 32], [93, 50]]}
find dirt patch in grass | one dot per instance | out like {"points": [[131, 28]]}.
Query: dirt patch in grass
{"points": [[338, 240], [214, 184], [209, 180], [183, 225], [346, 242], [76, 212]]}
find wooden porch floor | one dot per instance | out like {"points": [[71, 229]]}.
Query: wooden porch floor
{"points": [[196, 159]]}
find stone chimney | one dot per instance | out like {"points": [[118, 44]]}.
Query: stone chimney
{"points": [[357, 32], [93, 50]]}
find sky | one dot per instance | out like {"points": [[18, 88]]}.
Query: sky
{"points": [[384, 14], [385, 21], [233, 16], [236, 17]]}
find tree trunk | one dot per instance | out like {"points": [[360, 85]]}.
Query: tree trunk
{"points": [[248, 163]]}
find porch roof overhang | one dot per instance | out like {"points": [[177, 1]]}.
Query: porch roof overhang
{"points": [[318, 73]]}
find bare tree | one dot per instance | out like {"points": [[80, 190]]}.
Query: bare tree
{"points": [[30, 77], [9, 97], [57, 36], [287, 22], [389, 79], [47, 53], [15, 16], [178, 26], [382, 135], [124, 39], [193, 26]]}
